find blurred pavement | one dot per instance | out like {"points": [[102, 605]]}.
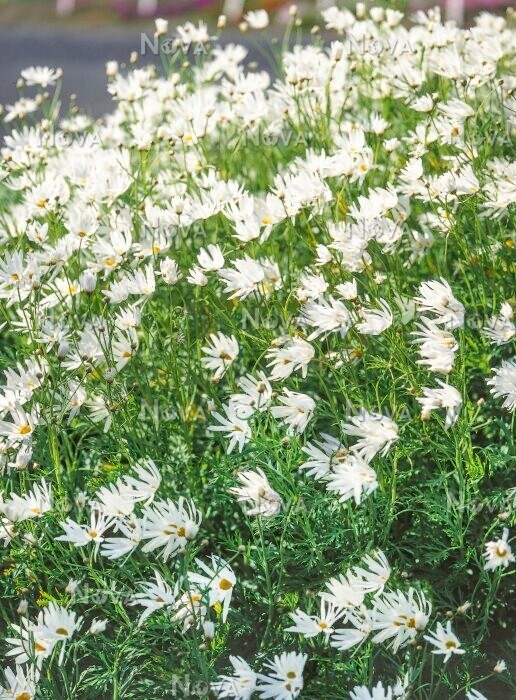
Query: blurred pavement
{"points": [[82, 55]]}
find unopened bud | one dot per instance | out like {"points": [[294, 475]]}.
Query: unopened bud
{"points": [[161, 26], [111, 69], [88, 281], [208, 628], [110, 374], [63, 350]]}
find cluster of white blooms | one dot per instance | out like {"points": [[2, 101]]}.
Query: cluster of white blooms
{"points": [[284, 678], [163, 525], [394, 615], [348, 472], [213, 588], [348, 243]]}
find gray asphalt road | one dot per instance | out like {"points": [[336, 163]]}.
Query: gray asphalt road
{"points": [[81, 55]]}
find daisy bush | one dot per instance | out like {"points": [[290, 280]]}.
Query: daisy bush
{"points": [[258, 376]]}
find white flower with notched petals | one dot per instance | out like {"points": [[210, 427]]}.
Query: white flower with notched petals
{"points": [[503, 383], [436, 297], [115, 500], [325, 317], [285, 678], [345, 592], [41, 76], [241, 685], [256, 490], [218, 582], [237, 428], [33, 504], [446, 397], [170, 526], [21, 426], [375, 431], [374, 572], [145, 482], [154, 596], [37, 640], [257, 19], [97, 626], [210, 259], [312, 625], [296, 411], [190, 608], [220, 354], [351, 478], [21, 683], [256, 394], [375, 321], [295, 354], [445, 641], [169, 271], [116, 547], [501, 329], [378, 692], [499, 552], [399, 616], [345, 638], [82, 535], [437, 346], [324, 454]]}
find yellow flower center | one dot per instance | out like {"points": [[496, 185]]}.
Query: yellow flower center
{"points": [[225, 585]]}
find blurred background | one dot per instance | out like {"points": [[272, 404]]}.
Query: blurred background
{"points": [[80, 36]]}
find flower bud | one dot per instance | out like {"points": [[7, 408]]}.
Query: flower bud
{"points": [[88, 281], [161, 26], [111, 69]]}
